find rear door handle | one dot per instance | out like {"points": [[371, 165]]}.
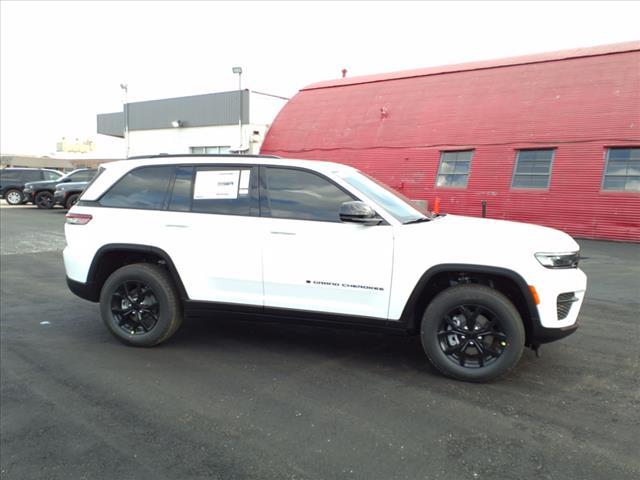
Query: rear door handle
{"points": [[283, 233]]}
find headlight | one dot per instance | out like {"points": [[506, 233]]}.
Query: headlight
{"points": [[27, 189], [559, 260]]}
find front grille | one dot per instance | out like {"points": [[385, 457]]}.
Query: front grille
{"points": [[565, 301]]}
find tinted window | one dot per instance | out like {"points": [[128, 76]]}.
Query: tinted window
{"points": [[10, 175], [144, 188], [31, 176], [532, 169], [622, 171], [181, 194], [301, 195], [454, 169], [222, 190], [82, 176]]}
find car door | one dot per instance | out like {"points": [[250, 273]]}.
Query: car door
{"points": [[210, 232], [312, 261]]}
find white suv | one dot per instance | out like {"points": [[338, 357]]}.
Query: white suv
{"points": [[159, 238]]}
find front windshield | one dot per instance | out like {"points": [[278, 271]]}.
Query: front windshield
{"points": [[67, 175], [393, 202]]}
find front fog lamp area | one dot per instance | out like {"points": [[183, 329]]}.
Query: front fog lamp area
{"points": [[559, 260]]}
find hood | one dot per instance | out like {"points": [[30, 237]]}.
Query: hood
{"points": [[71, 185], [497, 236], [42, 184]]}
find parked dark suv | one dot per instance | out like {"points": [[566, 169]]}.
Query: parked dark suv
{"points": [[13, 180], [41, 193], [67, 194]]}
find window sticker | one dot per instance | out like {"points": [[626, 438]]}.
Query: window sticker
{"points": [[222, 184], [245, 176]]}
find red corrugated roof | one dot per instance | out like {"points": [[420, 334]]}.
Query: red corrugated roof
{"points": [[481, 65]]}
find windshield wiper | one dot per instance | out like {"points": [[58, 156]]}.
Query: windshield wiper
{"points": [[418, 220]]}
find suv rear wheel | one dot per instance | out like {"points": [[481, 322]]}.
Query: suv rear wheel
{"points": [[71, 201], [473, 333], [44, 199], [13, 197], [140, 306]]}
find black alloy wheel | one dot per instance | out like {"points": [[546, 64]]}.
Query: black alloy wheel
{"points": [[140, 305], [471, 336], [472, 332], [135, 308], [44, 200]]}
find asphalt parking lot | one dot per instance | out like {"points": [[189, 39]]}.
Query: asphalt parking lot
{"points": [[228, 400]]}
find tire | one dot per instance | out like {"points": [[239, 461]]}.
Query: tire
{"points": [[154, 317], [472, 333], [44, 199], [13, 196], [71, 201]]}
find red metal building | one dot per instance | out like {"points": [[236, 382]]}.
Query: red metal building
{"points": [[552, 139]]}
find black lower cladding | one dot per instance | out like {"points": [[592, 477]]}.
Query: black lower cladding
{"points": [[88, 291], [406, 325]]}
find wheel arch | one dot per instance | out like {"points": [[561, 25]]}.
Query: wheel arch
{"points": [[441, 277], [113, 256]]}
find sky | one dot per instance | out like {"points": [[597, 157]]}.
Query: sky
{"points": [[62, 63]]}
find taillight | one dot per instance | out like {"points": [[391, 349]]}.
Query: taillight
{"points": [[78, 218]]}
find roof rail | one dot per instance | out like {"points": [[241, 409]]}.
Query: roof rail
{"points": [[222, 155]]}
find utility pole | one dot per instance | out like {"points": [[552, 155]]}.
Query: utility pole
{"points": [[125, 102], [238, 70]]}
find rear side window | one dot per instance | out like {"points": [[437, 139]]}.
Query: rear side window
{"points": [[300, 195], [10, 175], [224, 190], [144, 188], [31, 176]]}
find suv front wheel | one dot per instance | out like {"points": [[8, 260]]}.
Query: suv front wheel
{"points": [[140, 306], [44, 199], [472, 332]]}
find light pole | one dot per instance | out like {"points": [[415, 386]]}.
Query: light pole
{"points": [[238, 70], [125, 102]]}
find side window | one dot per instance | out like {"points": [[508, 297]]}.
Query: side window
{"points": [[182, 192], [622, 170], [31, 176], [300, 195], [9, 175], [223, 190], [532, 169], [454, 169], [144, 188]]}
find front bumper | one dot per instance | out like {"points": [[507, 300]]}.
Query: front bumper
{"points": [[551, 286], [546, 335], [27, 197]]}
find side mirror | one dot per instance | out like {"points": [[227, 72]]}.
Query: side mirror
{"points": [[66, 180], [358, 212]]}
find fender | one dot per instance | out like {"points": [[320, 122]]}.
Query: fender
{"points": [[412, 321], [91, 289]]}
